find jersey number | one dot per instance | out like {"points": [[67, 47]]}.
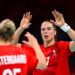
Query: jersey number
{"points": [[11, 72]]}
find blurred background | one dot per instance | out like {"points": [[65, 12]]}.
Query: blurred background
{"points": [[41, 10]]}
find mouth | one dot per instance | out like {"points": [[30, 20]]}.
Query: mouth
{"points": [[46, 36]]}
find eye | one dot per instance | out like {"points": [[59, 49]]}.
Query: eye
{"points": [[48, 28], [42, 29]]}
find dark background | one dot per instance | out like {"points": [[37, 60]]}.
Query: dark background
{"points": [[41, 10]]}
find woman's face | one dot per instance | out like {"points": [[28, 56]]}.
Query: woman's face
{"points": [[47, 31]]}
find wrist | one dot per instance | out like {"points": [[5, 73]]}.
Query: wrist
{"points": [[65, 27], [25, 26], [20, 27]]}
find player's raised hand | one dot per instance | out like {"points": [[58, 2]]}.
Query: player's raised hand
{"points": [[59, 19], [25, 22]]}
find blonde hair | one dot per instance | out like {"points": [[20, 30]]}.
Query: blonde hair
{"points": [[7, 29]]}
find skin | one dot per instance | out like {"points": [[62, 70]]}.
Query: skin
{"points": [[48, 33]]}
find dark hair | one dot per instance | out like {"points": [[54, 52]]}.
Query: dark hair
{"points": [[7, 29]]}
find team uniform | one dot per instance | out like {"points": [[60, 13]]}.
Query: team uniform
{"points": [[57, 59], [31, 56], [13, 61]]}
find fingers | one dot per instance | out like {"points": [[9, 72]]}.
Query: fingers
{"points": [[25, 42], [28, 35], [56, 14], [23, 15], [30, 38], [52, 21], [27, 15]]}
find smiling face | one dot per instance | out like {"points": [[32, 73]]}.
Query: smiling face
{"points": [[48, 31]]}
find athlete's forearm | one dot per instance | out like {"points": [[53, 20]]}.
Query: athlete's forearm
{"points": [[41, 58], [17, 34], [66, 28], [71, 34]]}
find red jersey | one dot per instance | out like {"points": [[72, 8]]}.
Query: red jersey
{"points": [[31, 56], [57, 59], [13, 61]]}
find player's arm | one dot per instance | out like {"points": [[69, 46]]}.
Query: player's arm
{"points": [[60, 22], [32, 42], [25, 23]]}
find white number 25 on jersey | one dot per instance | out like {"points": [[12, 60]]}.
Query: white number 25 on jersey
{"points": [[11, 72]]}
